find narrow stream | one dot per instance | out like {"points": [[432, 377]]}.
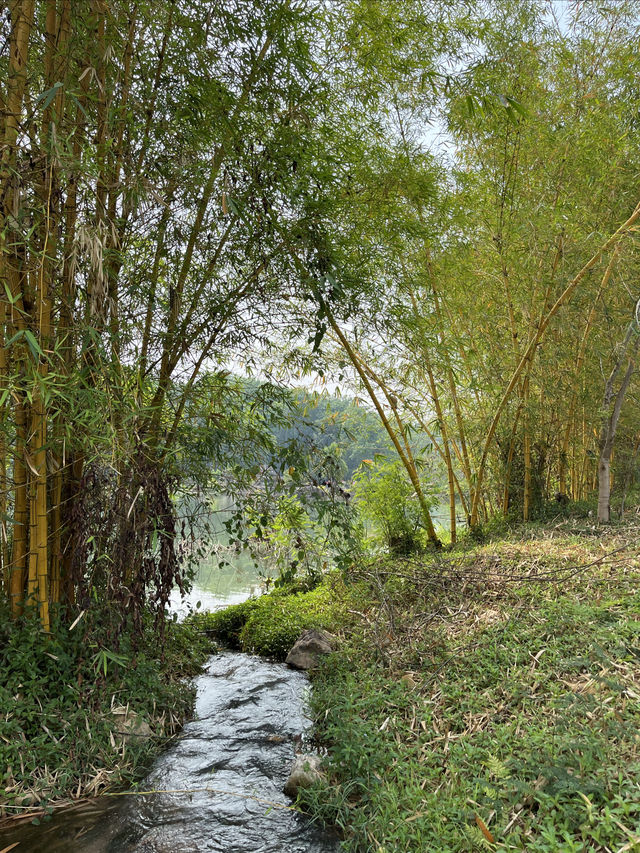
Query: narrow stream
{"points": [[218, 786]]}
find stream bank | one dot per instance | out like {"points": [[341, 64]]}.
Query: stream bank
{"points": [[218, 786], [488, 692]]}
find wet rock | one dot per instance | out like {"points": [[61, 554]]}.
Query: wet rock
{"points": [[305, 771], [309, 648], [130, 726]]}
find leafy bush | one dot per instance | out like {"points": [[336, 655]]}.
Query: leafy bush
{"points": [[387, 500], [225, 625], [273, 627], [271, 624]]}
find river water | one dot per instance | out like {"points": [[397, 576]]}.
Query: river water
{"points": [[218, 787]]}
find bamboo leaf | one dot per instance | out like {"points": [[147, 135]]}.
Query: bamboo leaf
{"points": [[77, 102], [517, 106], [14, 338], [30, 464], [231, 205], [471, 107], [49, 95], [12, 299], [33, 344]]}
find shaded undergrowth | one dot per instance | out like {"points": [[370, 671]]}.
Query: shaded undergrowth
{"points": [[59, 736]]}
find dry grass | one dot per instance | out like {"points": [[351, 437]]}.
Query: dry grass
{"points": [[454, 595]]}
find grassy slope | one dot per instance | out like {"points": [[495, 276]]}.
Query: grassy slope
{"points": [[489, 699]]}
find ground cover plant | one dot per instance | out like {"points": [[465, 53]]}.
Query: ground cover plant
{"points": [[489, 699], [59, 737], [271, 624]]}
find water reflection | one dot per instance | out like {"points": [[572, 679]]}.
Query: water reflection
{"points": [[218, 582]]}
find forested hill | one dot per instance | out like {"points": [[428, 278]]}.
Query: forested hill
{"points": [[338, 424]]}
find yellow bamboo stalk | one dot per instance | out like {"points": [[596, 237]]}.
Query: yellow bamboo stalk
{"points": [[39, 577], [4, 490], [436, 444], [20, 513], [22, 15], [465, 462], [527, 451], [564, 297], [579, 363], [447, 453], [439, 414], [406, 460]]}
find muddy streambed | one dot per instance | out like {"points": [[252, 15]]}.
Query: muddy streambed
{"points": [[219, 784]]}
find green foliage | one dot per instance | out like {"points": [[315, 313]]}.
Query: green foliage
{"points": [[224, 207], [331, 421], [386, 499], [56, 695], [291, 543], [271, 624], [280, 473], [275, 625]]}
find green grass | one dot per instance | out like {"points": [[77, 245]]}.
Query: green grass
{"points": [[467, 706], [56, 727]]}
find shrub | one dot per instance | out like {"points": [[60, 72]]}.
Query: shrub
{"points": [[387, 499], [271, 624]]}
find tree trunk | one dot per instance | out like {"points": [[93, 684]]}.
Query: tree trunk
{"points": [[407, 461], [611, 417], [526, 498], [604, 490]]}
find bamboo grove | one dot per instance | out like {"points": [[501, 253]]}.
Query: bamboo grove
{"points": [[140, 145], [502, 331], [188, 186]]}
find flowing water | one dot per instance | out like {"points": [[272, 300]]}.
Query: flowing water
{"points": [[218, 787]]}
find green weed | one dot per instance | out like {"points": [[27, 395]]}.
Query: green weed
{"points": [[56, 696]]}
